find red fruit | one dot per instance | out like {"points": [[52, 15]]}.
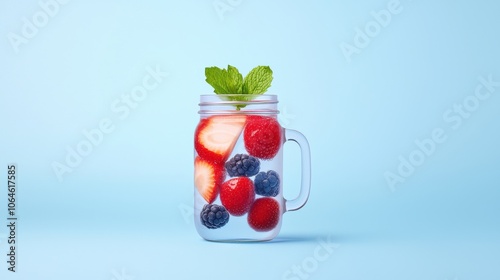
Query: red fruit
{"points": [[216, 136], [237, 195], [264, 214], [262, 137], [207, 178]]}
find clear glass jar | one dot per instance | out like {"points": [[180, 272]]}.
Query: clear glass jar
{"points": [[238, 168]]}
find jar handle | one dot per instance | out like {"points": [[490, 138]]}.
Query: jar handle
{"points": [[305, 188]]}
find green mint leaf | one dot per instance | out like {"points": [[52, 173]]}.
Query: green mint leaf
{"points": [[224, 81], [231, 85], [258, 80], [236, 77]]}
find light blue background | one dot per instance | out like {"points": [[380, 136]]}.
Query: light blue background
{"points": [[124, 211]]}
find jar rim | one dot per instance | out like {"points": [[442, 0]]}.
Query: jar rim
{"points": [[220, 104], [225, 99]]}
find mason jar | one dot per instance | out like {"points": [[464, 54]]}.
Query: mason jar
{"points": [[238, 168]]}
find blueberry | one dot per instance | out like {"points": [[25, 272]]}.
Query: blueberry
{"points": [[214, 216], [242, 165], [267, 183]]}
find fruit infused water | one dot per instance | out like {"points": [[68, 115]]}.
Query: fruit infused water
{"points": [[238, 175], [238, 160]]}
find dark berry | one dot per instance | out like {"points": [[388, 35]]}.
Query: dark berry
{"points": [[267, 183], [242, 165], [214, 216]]}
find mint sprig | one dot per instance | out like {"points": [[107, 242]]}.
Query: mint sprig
{"points": [[224, 81], [258, 80], [230, 81]]}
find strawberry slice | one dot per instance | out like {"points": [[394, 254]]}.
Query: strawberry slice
{"points": [[207, 178], [264, 215], [262, 137], [216, 136]]}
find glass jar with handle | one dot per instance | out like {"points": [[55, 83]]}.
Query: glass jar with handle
{"points": [[238, 168]]}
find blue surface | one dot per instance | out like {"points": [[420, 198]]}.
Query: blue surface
{"points": [[124, 209]]}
